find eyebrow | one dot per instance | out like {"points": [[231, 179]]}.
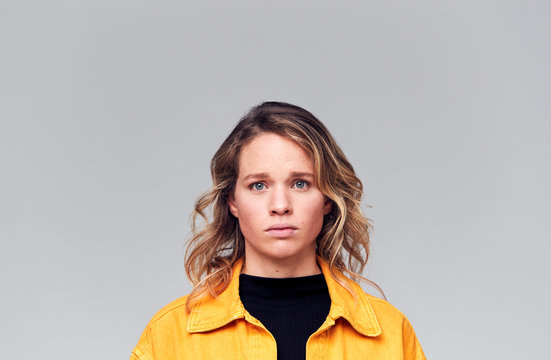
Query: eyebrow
{"points": [[294, 174], [255, 176]]}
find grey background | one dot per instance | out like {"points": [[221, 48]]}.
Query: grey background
{"points": [[111, 110]]}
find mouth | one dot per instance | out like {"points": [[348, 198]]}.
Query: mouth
{"points": [[281, 230]]}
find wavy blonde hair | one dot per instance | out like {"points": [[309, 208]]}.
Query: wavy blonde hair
{"points": [[217, 242]]}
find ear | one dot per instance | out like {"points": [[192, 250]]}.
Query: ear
{"points": [[232, 206], [327, 206]]}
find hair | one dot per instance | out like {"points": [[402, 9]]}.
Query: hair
{"points": [[216, 245]]}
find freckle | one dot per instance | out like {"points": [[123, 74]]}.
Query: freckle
{"points": [[277, 270]]}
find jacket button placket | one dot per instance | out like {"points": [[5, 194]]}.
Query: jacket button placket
{"points": [[263, 344], [316, 347]]}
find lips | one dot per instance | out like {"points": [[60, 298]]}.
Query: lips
{"points": [[281, 230]]}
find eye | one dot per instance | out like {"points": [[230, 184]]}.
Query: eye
{"points": [[301, 184], [258, 186]]}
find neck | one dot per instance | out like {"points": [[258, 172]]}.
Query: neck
{"points": [[280, 268]]}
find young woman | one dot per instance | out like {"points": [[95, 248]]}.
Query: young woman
{"points": [[269, 264]]}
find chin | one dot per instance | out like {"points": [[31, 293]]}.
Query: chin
{"points": [[286, 251]]}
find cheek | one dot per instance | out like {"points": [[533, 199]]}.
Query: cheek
{"points": [[249, 216], [313, 211], [249, 210], [250, 227], [243, 204]]}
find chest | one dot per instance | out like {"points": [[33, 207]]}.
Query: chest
{"points": [[242, 339]]}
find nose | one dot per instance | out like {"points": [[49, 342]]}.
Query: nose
{"points": [[280, 202]]}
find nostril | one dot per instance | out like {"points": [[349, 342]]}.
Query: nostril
{"points": [[280, 211]]}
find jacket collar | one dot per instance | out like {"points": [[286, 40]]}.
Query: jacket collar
{"points": [[209, 313]]}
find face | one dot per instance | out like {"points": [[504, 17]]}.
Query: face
{"points": [[279, 207]]}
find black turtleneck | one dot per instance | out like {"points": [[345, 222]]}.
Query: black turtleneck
{"points": [[291, 309]]}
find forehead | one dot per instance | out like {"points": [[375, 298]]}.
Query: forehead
{"points": [[272, 152]]}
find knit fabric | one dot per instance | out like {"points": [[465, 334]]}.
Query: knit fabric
{"points": [[291, 309]]}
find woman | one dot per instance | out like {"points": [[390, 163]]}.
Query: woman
{"points": [[269, 264]]}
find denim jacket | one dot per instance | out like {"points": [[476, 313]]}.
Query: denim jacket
{"points": [[358, 326]]}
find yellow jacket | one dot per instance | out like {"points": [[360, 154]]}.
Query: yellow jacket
{"points": [[357, 327]]}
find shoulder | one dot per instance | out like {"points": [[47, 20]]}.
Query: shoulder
{"points": [[394, 321], [387, 314], [165, 321], [383, 308], [176, 308]]}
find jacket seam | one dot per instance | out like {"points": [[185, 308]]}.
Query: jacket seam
{"points": [[214, 325], [139, 349], [384, 302], [160, 316]]}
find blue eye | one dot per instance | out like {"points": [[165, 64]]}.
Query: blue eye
{"points": [[300, 184], [258, 186]]}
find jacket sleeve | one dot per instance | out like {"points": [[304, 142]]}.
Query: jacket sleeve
{"points": [[144, 349], [411, 346]]}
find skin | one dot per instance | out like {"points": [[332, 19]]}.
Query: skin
{"points": [[279, 207]]}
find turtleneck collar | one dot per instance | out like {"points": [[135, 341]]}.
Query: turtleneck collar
{"points": [[294, 288]]}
